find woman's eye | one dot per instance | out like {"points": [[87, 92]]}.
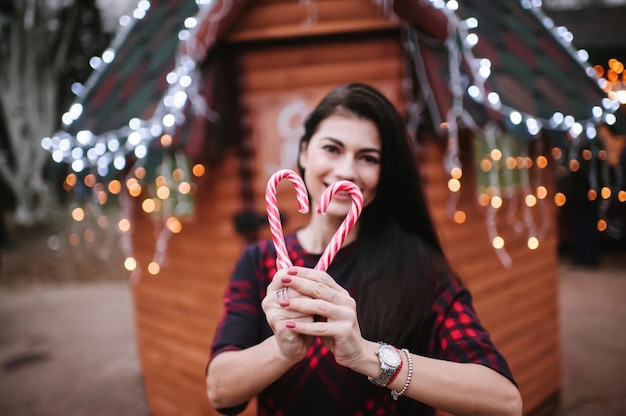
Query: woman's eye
{"points": [[331, 149], [371, 159]]}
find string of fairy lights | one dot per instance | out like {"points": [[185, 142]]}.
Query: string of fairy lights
{"points": [[95, 158]]}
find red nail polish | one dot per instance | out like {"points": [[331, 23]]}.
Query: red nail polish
{"points": [[290, 325], [284, 303], [286, 279], [292, 271]]}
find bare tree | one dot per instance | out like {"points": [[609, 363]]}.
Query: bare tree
{"points": [[38, 41]]}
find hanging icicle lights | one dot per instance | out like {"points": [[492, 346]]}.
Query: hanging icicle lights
{"points": [[97, 156]]}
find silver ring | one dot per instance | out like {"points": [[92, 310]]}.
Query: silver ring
{"points": [[281, 294], [332, 295]]}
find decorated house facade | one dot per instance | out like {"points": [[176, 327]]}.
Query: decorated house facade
{"points": [[196, 105]]}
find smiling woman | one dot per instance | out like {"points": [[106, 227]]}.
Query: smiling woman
{"points": [[398, 333]]}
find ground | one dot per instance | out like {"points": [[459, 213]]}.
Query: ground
{"points": [[67, 343]]}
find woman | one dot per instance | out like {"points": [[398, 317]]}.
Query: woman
{"points": [[388, 329]]}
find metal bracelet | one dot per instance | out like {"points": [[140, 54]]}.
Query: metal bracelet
{"points": [[396, 394]]}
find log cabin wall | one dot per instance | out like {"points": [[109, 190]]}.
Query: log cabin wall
{"points": [[176, 311]]}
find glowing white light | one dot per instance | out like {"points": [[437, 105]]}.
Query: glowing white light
{"points": [[134, 138], [108, 55], [597, 111], [125, 20], [526, 4], [576, 129], [101, 148], [67, 119], [103, 170], [57, 156], [568, 121], [493, 98], [183, 35], [515, 117], [77, 153], [64, 145], [474, 92], [452, 5], [185, 81], [536, 3], [156, 130], [471, 23], [533, 126], [141, 151], [134, 123], [583, 55], [484, 72], [84, 137], [168, 101], [144, 5], [139, 14], [95, 62], [180, 98], [103, 161], [78, 165], [590, 72], [169, 120], [46, 143], [556, 119], [171, 78], [610, 119], [77, 89], [92, 154], [591, 131], [607, 103], [472, 39], [190, 22], [621, 96], [76, 110], [119, 162], [547, 22], [113, 144], [602, 83]]}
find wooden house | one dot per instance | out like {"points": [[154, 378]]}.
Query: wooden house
{"points": [[265, 64]]}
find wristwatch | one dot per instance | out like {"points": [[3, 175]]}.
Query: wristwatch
{"points": [[390, 361]]}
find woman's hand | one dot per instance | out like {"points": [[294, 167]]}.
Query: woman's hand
{"points": [[292, 345], [338, 327]]}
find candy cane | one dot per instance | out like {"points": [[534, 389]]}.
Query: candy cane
{"points": [[273, 215], [346, 226]]}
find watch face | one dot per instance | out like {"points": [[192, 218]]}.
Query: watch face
{"points": [[390, 356]]}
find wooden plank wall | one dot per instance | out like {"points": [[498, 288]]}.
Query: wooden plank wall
{"points": [[177, 310]]}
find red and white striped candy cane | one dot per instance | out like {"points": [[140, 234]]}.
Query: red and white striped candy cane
{"points": [[273, 215], [344, 229]]}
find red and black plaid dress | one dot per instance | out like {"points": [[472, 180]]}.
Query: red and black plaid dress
{"points": [[317, 385]]}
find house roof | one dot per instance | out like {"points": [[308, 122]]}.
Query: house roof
{"points": [[533, 72]]}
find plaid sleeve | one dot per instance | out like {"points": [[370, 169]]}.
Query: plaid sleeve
{"points": [[242, 322], [458, 334]]}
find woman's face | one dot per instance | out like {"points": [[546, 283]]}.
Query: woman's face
{"points": [[344, 147]]}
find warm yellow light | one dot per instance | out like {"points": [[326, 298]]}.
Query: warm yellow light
{"points": [[485, 165], [154, 268], [198, 170], [605, 192], [530, 200], [160, 181], [163, 192], [574, 165], [528, 162], [460, 217], [70, 179], [140, 172], [115, 186], [533, 243], [74, 239], [174, 225], [454, 185], [78, 214], [586, 154], [602, 154], [492, 190], [592, 194], [166, 140], [498, 242], [520, 162], [123, 225], [184, 188], [556, 153], [559, 199], [496, 202], [89, 235], [178, 174], [134, 190], [483, 199], [542, 192], [542, 162], [496, 154], [103, 221], [90, 180], [102, 197], [130, 264], [602, 225], [510, 162], [148, 205], [621, 196]]}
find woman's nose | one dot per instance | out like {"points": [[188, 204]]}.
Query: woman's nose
{"points": [[345, 168]]}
